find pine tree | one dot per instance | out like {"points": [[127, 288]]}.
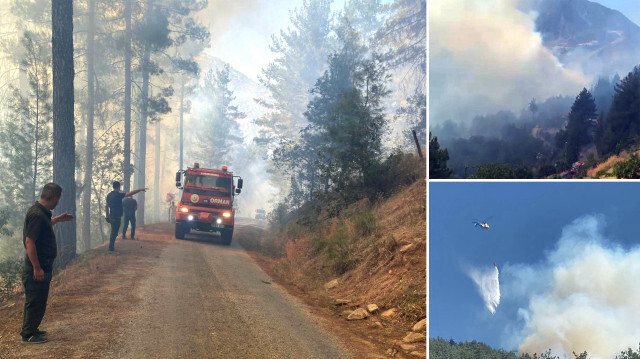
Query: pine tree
{"points": [[533, 108], [603, 91], [63, 124], [165, 24], [346, 114], [580, 126], [438, 160], [221, 131], [301, 52], [404, 36], [622, 125]]}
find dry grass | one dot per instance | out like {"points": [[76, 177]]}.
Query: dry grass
{"points": [[378, 272], [87, 302], [606, 167], [369, 264]]}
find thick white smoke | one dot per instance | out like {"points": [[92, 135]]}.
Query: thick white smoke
{"points": [[488, 285], [583, 296], [485, 56]]}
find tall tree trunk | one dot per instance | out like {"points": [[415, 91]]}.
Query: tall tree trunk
{"points": [[127, 96], [313, 182], [63, 124], [37, 137], [88, 173], [136, 154], [144, 106], [156, 180], [181, 122], [163, 178]]}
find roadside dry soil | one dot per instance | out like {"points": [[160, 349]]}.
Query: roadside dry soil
{"points": [[165, 298]]}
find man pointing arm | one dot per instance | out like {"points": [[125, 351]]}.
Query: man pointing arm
{"points": [[114, 211], [41, 251]]}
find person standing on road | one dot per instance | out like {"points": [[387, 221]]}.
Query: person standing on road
{"points": [[41, 250], [114, 211], [130, 206], [172, 212]]}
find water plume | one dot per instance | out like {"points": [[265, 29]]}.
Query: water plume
{"points": [[488, 285]]}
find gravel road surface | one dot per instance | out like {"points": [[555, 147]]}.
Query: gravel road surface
{"points": [[206, 300]]}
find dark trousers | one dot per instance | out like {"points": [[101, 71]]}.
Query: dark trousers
{"points": [[115, 228], [35, 303], [129, 218]]}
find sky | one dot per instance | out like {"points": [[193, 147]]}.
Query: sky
{"points": [[241, 30], [568, 259], [630, 9]]}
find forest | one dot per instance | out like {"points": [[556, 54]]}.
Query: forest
{"points": [[132, 90], [561, 137], [441, 348]]}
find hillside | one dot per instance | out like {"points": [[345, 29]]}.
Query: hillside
{"points": [[371, 253], [589, 34], [623, 165]]}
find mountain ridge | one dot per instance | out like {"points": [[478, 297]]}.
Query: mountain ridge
{"points": [[588, 35]]}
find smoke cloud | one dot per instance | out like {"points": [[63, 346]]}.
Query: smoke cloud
{"points": [[584, 295], [220, 14], [488, 285], [485, 56]]}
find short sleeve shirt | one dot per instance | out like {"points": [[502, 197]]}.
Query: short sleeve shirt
{"points": [[114, 201], [37, 226], [129, 205]]}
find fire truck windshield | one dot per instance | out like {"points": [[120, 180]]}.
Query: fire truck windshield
{"points": [[220, 184]]}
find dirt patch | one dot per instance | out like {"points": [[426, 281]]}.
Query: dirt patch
{"points": [[87, 301]]}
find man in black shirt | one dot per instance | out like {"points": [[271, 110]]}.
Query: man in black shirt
{"points": [[130, 206], [40, 244], [114, 210]]}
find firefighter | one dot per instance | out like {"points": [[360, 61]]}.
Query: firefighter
{"points": [[130, 206], [114, 211], [40, 244], [172, 212]]}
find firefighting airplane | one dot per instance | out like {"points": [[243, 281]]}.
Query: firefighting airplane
{"points": [[482, 224]]}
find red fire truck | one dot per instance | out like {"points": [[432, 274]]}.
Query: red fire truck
{"points": [[206, 201]]}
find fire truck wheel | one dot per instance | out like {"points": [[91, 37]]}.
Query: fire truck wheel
{"points": [[226, 235], [179, 231]]}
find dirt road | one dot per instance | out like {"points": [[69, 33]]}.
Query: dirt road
{"points": [[166, 298]]}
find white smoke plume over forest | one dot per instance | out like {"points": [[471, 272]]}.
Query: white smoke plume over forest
{"points": [[485, 56], [584, 295], [488, 285]]}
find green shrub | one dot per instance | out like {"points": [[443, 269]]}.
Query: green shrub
{"points": [[338, 251], [278, 217], [493, 171], [397, 170], [364, 224], [10, 272], [627, 169]]}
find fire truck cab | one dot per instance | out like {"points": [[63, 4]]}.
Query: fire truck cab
{"points": [[206, 201]]}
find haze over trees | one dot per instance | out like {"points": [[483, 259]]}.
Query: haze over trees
{"points": [[77, 110], [337, 142], [220, 131], [547, 138]]}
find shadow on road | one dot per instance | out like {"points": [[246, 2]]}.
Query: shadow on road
{"points": [[204, 238]]}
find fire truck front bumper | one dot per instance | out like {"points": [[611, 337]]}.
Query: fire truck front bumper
{"points": [[203, 221]]}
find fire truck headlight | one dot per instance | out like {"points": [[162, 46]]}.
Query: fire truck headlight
{"points": [[219, 220], [226, 214], [190, 218], [184, 209]]}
